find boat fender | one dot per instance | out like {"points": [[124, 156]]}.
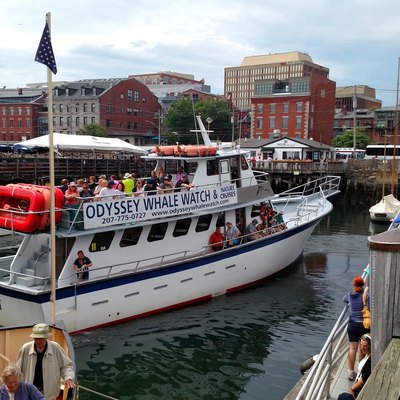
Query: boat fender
{"points": [[306, 365]]}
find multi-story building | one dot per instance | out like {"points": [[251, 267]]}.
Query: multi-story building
{"points": [[288, 93], [363, 96], [385, 126], [363, 118], [124, 107], [23, 114], [169, 84]]}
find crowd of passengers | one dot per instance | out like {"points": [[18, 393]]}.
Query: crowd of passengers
{"points": [[111, 188]]}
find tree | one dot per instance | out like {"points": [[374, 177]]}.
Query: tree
{"points": [[346, 139], [92, 130], [180, 119]]}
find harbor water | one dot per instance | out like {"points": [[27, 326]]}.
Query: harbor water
{"points": [[247, 345]]}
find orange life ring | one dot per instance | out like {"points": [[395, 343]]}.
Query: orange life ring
{"points": [[13, 198]]}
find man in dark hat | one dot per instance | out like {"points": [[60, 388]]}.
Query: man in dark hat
{"points": [[150, 187], [44, 362], [183, 183]]}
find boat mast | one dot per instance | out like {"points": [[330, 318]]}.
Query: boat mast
{"points": [[396, 130], [51, 175]]}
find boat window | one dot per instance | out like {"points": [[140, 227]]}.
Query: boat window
{"points": [[191, 167], [182, 227], [101, 241], [245, 164], [203, 223], [212, 167], [255, 211], [131, 236], [157, 232], [224, 165]]}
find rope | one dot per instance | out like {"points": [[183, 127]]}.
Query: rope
{"points": [[98, 393]]}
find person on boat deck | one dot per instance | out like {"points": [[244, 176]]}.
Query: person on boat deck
{"points": [[232, 234], [262, 229], [14, 388], [167, 186], [44, 362], [280, 221], [107, 193], [179, 173], [81, 266], [251, 231], [355, 327], [79, 184], [216, 240], [183, 183], [92, 183], [71, 200], [364, 370], [64, 185], [150, 188], [129, 184], [86, 193], [160, 175], [139, 188]]}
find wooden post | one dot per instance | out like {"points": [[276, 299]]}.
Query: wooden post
{"points": [[384, 290]]}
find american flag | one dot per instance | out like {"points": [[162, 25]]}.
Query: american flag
{"points": [[44, 53]]}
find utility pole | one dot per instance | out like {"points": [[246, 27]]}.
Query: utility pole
{"points": [[354, 122]]}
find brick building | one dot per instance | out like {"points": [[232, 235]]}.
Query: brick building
{"points": [[363, 95], [124, 107], [288, 93], [23, 114]]}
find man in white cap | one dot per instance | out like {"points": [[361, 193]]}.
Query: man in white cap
{"points": [[44, 362]]}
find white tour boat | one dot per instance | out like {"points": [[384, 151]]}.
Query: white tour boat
{"points": [[151, 253]]}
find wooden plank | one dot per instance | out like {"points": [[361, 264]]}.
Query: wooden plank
{"points": [[384, 382]]}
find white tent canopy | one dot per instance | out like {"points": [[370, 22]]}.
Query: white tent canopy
{"points": [[82, 142]]}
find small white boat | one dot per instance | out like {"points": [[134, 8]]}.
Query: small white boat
{"points": [[151, 253], [386, 210]]}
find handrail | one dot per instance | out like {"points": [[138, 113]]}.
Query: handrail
{"points": [[318, 379]]}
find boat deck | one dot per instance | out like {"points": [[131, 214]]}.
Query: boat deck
{"points": [[340, 381]]}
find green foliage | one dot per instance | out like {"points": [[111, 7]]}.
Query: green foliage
{"points": [[92, 130], [346, 139], [181, 119]]}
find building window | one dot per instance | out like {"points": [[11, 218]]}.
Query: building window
{"points": [[93, 120], [300, 87], [285, 122], [3, 123], [136, 96], [11, 110], [323, 93], [298, 122], [77, 107], [85, 107], [11, 123], [108, 108], [271, 122], [135, 112], [299, 106], [19, 122], [69, 107], [259, 123], [61, 107], [68, 121], [19, 110], [85, 121], [272, 108], [28, 111], [93, 107], [108, 123], [285, 107], [77, 121], [3, 111], [28, 123], [259, 108], [129, 111], [130, 94]]}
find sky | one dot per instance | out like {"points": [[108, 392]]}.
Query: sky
{"points": [[359, 41]]}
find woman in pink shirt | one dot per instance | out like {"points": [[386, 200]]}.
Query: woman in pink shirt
{"points": [[71, 200]]}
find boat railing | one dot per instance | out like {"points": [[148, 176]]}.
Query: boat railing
{"points": [[14, 274], [317, 385]]}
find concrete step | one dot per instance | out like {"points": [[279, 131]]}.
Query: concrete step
{"points": [[25, 281]]}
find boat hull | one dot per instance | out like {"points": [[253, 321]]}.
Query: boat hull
{"points": [[117, 299]]}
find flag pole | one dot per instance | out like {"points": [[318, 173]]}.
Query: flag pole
{"points": [[52, 178]]}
